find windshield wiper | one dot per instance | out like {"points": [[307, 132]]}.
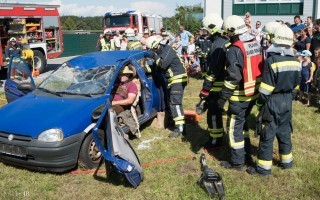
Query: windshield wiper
{"points": [[72, 93], [49, 91]]}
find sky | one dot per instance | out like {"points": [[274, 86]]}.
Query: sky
{"points": [[164, 8]]}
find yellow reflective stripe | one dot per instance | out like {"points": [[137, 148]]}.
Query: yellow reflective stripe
{"points": [[246, 132], [297, 87], [170, 73], [284, 64], [286, 158], [180, 76], [216, 89], [158, 61], [218, 84], [229, 85], [212, 130], [233, 144], [215, 135], [266, 86], [209, 78], [179, 122], [265, 164], [179, 118], [244, 98], [178, 81]]}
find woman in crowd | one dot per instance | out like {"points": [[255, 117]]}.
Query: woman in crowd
{"points": [[306, 75], [303, 41]]}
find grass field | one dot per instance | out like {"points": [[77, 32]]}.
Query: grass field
{"points": [[172, 168]]}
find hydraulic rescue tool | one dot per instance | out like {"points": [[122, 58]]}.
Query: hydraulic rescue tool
{"points": [[211, 180]]}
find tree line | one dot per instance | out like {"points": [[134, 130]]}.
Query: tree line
{"points": [[184, 16]]}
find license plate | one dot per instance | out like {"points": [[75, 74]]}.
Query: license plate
{"points": [[12, 150]]}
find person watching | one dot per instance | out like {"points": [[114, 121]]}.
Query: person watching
{"points": [[297, 26]]}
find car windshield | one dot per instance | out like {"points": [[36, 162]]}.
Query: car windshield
{"points": [[121, 20], [70, 80]]}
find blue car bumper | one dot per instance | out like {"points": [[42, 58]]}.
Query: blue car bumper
{"points": [[41, 156]]}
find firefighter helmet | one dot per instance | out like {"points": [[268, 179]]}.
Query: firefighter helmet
{"points": [[153, 41], [283, 35], [130, 32], [13, 39], [213, 23], [234, 25], [270, 27]]}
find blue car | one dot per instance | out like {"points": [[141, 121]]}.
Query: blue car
{"points": [[48, 127]]}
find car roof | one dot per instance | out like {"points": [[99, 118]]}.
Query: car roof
{"points": [[102, 58]]}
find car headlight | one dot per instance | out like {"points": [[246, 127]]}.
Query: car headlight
{"points": [[51, 135]]}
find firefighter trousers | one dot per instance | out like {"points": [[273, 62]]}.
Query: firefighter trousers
{"points": [[214, 116], [238, 130], [277, 123], [175, 97]]}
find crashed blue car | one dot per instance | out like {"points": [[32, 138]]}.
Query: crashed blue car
{"points": [[48, 127]]}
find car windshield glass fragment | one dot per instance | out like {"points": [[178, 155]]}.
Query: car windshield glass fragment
{"points": [[70, 80]]}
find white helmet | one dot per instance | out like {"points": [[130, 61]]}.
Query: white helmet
{"points": [[213, 23], [130, 32], [234, 25], [153, 41], [13, 39], [270, 27], [283, 35]]}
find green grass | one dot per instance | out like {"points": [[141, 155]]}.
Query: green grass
{"points": [[177, 179]]}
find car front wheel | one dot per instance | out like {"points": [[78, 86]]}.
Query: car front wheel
{"points": [[90, 156]]}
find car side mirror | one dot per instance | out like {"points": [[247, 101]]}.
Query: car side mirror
{"points": [[97, 113], [26, 86]]}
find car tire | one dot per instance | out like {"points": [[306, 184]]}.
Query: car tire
{"points": [[39, 60], [89, 155]]}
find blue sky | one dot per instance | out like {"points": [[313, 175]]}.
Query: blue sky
{"points": [[99, 7]]}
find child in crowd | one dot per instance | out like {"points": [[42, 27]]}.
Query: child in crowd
{"points": [[191, 46], [177, 44], [194, 69], [306, 75]]}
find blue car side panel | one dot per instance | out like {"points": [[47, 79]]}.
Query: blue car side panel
{"points": [[35, 114]]}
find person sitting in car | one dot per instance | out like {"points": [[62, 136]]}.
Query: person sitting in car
{"points": [[126, 92]]}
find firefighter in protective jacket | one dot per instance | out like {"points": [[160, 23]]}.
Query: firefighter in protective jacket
{"points": [[240, 89], [280, 80], [213, 78], [12, 49], [133, 42], [169, 62]]}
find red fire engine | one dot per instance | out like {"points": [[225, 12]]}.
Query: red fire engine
{"points": [[132, 19], [35, 27]]}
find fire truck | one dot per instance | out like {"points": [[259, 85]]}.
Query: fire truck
{"points": [[35, 27], [132, 19]]}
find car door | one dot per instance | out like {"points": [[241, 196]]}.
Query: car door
{"points": [[18, 73], [117, 149]]}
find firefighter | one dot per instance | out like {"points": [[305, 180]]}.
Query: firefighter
{"points": [[102, 44], [280, 78], [240, 89], [268, 36], [213, 78], [169, 62], [133, 42], [109, 41], [203, 44], [12, 49]]}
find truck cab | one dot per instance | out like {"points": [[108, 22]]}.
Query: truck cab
{"points": [[35, 27]]}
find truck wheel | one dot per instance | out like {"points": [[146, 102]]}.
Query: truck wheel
{"points": [[39, 60], [89, 155]]}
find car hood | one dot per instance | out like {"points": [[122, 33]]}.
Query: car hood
{"points": [[32, 114]]}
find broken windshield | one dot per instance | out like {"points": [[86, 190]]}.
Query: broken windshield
{"points": [[72, 81]]}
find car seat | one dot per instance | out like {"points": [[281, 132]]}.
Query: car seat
{"points": [[135, 104]]}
